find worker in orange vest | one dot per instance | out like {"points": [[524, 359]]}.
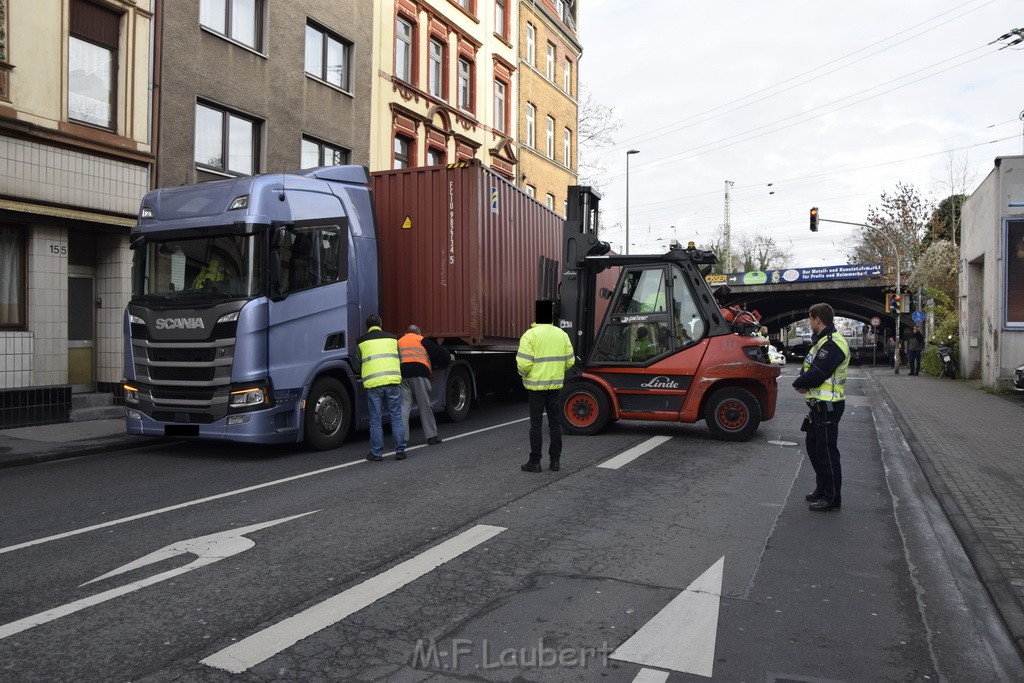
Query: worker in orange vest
{"points": [[419, 358]]}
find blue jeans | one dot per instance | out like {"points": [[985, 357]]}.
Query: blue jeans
{"points": [[377, 397]]}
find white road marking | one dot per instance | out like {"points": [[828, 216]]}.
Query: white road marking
{"points": [[227, 494], [273, 640], [633, 453], [651, 676], [208, 549], [681, 637]]}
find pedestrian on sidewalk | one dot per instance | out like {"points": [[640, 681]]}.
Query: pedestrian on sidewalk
{"points": [[822, 380], [419, 358], [377, 361], [545, 355], [915, 344], [890, 350]]}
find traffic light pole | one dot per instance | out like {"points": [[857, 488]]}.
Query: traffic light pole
{"points": [[896, 255]]}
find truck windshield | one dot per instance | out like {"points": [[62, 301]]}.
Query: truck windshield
{"points": [[210, 268]]}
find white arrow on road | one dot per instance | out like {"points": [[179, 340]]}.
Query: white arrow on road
{"points": [[681, 637], [207, 549]]}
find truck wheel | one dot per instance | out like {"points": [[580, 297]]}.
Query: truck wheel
{"points": [[328, 414], [457, 395], [585, 409], [732, 414]]}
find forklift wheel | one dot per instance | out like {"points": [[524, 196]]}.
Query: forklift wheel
{"points": [[732, 414], [585, 409]]}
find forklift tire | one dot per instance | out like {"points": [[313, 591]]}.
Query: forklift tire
{"points": [[328, 414], [732, 414], [585, 409], [458, 394]]}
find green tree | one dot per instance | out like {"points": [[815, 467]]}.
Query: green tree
{"points": [[937, 269], [944, 223]]}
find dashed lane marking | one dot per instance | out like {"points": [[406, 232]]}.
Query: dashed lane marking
{"points": [[275, 639], [633, 453]]}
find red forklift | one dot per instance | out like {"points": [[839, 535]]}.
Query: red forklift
{"points": [[664, 349]]}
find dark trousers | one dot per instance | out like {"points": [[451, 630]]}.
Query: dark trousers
{"points": [[823, 450], [915, 362], [541, 401]]}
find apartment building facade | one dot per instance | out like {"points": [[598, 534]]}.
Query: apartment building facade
{"points": [[254, 86], [444, 84], [548, 58], [76, 157]]}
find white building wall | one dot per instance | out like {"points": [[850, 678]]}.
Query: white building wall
{"points": [[48, 303], [988, 350], [113, 288]]}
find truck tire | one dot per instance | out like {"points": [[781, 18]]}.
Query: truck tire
{"points": [[458, 393], [732, 414], [328, 414], [585, 409]]}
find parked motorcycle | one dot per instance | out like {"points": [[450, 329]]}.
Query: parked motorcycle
{"points": [[946, 360]]}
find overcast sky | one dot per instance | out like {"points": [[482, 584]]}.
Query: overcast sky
{"points": [[824, 103]]}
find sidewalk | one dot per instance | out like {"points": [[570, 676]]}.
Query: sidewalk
{"points": [[29, 445], [969, 445]]}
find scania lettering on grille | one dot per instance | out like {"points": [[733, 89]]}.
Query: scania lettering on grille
{"points": [[660, 383], [179, 324]]}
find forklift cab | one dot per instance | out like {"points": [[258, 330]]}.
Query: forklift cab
{"points": [[652, 314]]}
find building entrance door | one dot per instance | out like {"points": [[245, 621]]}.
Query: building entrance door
{"points": [[81, 329]]}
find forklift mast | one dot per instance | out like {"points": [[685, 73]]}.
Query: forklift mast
{"points": [[579, 276]]}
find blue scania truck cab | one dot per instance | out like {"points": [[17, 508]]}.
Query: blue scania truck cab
{"points": [[247, 297]]}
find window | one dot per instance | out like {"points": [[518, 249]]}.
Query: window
{"points": [[465, 84], [403, 152], [239, 20], [225, 141], [403, 50], [549, 201], [328, 56], [436, 157], [466, 5], [531, 45], [568, 76], [531, 126], [311, 256], [500, 112], [316, 153], [12, 278], [551, 138], [500, 19], [435, 74], [560, 9], [531, 191], [550, 66], [567, 148], [92, 64]]}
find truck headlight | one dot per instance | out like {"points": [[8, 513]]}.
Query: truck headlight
{"points": [[131, 394], [249, 398], [228, 318]]}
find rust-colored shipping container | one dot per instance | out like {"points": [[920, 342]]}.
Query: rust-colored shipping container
{"points": [[462, 253]]}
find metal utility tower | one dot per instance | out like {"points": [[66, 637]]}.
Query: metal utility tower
{"points": [[727, 232]]}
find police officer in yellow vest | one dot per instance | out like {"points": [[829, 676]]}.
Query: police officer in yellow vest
{"points": [[377, 361], [545, 355], [822, 381]]}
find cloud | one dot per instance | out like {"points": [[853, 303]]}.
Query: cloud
{"points": [[832, 103]]}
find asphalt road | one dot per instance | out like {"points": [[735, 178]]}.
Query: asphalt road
{"points": [[694, 559]]}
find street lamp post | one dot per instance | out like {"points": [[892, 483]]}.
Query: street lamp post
{"points": [[896, 256], [628, 154]]}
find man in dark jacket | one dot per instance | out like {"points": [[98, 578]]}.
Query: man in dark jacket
{"points": [[419, 358], [915, 344]]}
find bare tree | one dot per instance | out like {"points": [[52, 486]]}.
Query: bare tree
{"points": [[597, 126], [937, 269], [902, 217], [761, 252]]}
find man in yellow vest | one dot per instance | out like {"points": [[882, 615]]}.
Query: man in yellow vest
{"points": [[545, 355], [211, 272], [419, 358], [822, 381], [377, 361]]}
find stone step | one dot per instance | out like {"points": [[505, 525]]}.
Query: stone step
{"points": [[91, 400], [109, 412]]}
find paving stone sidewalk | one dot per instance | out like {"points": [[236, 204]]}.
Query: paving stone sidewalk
{"points": [[970, 444]]}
